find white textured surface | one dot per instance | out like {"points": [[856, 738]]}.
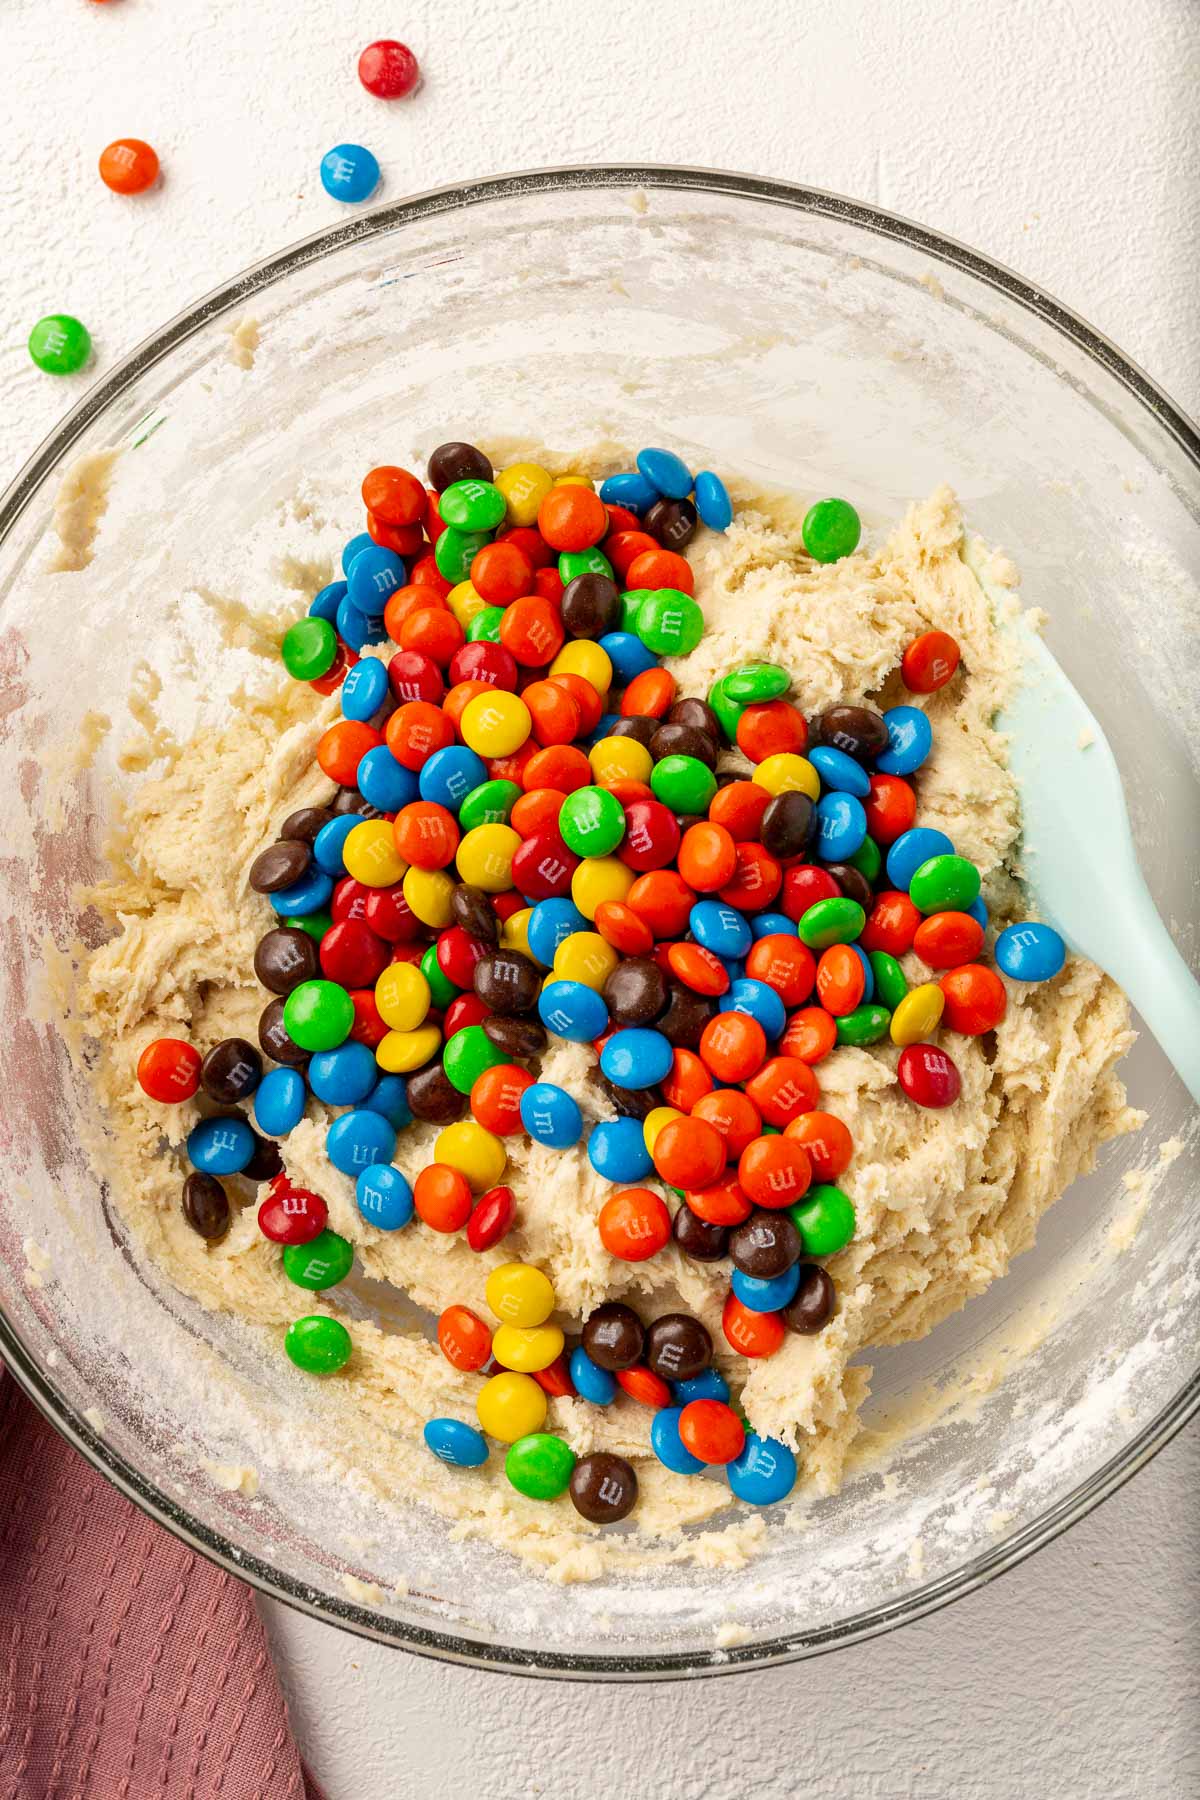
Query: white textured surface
{"points": [[1061, 139]]}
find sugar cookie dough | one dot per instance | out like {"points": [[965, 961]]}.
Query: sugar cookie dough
{"points": [[944, 1199]]}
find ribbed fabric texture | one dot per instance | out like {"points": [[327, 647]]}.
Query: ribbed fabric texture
{"points": [[130, 1669]]}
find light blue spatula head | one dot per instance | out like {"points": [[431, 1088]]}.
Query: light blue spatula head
{"points": [[1076, 846]]}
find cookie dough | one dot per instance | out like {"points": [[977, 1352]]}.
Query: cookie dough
{"points": [[944, 1199]]}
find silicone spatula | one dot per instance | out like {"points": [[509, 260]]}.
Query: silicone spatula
{"points": [[1072, 800]]}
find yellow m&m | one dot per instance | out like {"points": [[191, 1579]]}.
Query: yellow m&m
{"points": [[371, 856], [464, 603], [400, 1052], [655, 1121], [584, 657], [496, 724], [620, 759], [598, 879], [918, 1015], [510, 1406], [485, 857], [587, 957], [787, 773], [514, 931], [402, 996], [524, 486], [427, 892], [527, 1348], [474, 1152], [519, 1294]]}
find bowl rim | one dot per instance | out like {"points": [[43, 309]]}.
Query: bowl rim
{"points": [[347, 1614]]}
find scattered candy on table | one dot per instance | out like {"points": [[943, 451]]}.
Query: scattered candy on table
{"points": [[534, 835], [128, 166], [388, 69], [60, 344]]}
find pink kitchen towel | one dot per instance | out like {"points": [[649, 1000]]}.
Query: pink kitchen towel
{"points": [[130, 1668]]}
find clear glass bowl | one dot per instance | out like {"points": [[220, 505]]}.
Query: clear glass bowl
{"points": [[795, 338]]}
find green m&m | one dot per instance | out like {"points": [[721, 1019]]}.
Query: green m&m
{"points": [[309, 649], [727, 709], [834, 921], [490, 803], [318, 1015], [944, 884], [831, 530], [867, 859], [890, 982], [484, 628], [669, 622], [591, 821], [540, 1465], [59, 344], [321, 1263], [756, 682], [683, 783], [632, 602], [317, 1344], [316, 924], [824, 1219], [865, 1025], [441, 989], [467, 1054], [583, 562], [472, 506], [455, 551]]}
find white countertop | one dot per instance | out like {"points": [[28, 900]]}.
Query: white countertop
{"points": [[1059, 138]]}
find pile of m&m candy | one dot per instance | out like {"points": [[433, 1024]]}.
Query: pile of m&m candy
{"points": [[532, 835]]}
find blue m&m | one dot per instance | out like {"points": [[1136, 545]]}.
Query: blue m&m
{"points": [[762, 1295], [839, 772], [349, 173], [710, 1384], [617, 1150], [220, 1146], [308, 895], [365, 687], [590, 1380], [373, 578], [629, 489], [389, 1096], [448, 776], [1030, 952], [572, 1010], [324, 605], [453, 1442], [841, 826], [636, 1058], [358, 1139], [721, 929], [758, 1000], [763, 1472], [279, 1102], [384, 1197], [911, 849], [667, 473], [910, 739], [344, 1076], [330, 842], [384, 782], [551, 1115], [549, 923], [667, 1444], [713, 502]]}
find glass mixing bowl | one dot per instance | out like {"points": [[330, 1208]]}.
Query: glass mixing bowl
{"points": [[788, 336]]}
